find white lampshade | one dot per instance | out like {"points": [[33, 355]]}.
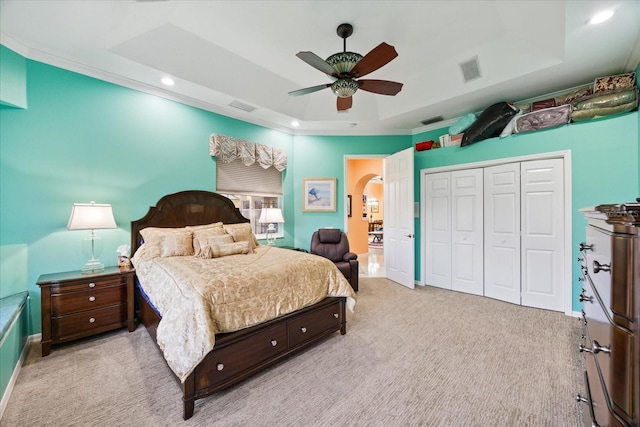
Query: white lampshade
{"points": [[270, 216], [91, 216]]}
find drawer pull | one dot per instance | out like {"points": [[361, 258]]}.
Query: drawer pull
{"points": [[220, 366], [92, 285], [92, 320], [335, 315], [597, 267], [303, 330], [585, 247], [92, 299], [597, 348], [274, 343], [579, 398]]}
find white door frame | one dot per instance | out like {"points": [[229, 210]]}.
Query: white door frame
{"points": [[566, 156]]}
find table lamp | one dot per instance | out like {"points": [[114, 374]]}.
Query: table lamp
{"points": [[271, 216], [91, 216]]}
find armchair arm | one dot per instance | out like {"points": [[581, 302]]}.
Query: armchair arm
{"points": [[349, 256]]}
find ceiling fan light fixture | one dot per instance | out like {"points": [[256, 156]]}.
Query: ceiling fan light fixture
{"points": [[344, 62], [344, 88]]}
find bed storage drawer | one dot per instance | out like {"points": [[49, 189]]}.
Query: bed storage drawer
{"points": [[234, 358], [313, 324]]}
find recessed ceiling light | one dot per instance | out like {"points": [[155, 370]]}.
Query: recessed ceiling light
{"points": [[295, 123], [167, 81], [600, 17]]}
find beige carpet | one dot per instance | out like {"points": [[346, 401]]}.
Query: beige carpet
{"points": [[424, 357]]}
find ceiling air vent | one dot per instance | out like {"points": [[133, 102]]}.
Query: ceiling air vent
{"points": [[470, 69], [431, 120], [240, 106]]}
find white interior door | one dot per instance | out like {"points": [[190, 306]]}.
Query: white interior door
{"points": [[542, 234], [399, 246], [467, 260], [437, 257], [502, 232]]}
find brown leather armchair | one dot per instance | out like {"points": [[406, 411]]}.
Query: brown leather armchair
{"points": [[333, 244]]}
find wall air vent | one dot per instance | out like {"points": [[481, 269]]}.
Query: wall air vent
{"points": [[470, 69], [240, 106], [432, 120]]}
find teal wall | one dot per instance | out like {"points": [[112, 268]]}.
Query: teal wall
{"points": [[13, 79], [83, 139]]}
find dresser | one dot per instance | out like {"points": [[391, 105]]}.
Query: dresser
{"points": [[76, 305], [610, 296]]}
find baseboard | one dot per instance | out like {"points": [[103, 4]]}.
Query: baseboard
{"points": [[14, 376]]}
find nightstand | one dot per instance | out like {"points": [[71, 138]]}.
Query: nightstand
{"points": [[76, 305]]}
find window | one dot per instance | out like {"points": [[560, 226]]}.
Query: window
{"points": [[251, 208], [250, 188]]}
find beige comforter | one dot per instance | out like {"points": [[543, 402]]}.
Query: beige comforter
{"points": [[198, 298]]}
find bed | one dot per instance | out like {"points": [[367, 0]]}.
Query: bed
{"points": [[230, 352]]}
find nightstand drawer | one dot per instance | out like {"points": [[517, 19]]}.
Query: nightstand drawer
{"points": [[87, 284], [67, 327], [68, 303]]}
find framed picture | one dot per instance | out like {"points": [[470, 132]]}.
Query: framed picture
{"points": [[319, 195], [374, 206], [349, 205]]}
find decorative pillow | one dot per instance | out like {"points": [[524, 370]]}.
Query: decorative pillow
{"points": [[242, 232], [606, 104], [164, 242], [462, 124], [205, 226], [202, 235], [217, 251], [545, 103], [574, 95], [608, 83]]}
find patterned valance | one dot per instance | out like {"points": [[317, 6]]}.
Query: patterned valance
{"points": [[229, 149]]}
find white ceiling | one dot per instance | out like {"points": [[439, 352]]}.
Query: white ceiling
{"points": [[224, 51]]}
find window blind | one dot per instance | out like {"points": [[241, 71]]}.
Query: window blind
{"points": [[236, 178]]}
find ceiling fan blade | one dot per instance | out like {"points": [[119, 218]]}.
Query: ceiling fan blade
{"points": [[309, 89], [379, 56], [345, 103], [383, 87], [316, 62]]}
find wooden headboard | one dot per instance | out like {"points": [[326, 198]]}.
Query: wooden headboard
{"points": [[193, 207]]}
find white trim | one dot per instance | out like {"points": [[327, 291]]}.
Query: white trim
{"points": [[14, 376], [565, 155]]}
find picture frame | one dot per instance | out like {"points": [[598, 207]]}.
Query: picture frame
{"points": [[319, 195], [349, 205], [374, 207]]}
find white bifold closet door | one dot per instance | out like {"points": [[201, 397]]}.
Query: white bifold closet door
{"points": [[454, 250], [524, 233], [467, 260]]}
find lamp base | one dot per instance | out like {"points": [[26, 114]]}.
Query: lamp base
{"points": [[92, 266]]}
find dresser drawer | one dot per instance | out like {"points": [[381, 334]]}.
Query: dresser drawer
{"points": [[234, 358], [73, 302], [314, 323], [87, 284], [102, 319]]}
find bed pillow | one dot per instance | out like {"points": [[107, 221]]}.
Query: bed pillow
{"points": [[235, 248], [205, 236], [242, 233], [204, 227], [166, 242]]}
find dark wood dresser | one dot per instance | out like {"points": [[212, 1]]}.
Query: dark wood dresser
{"points": [[76, 305], [611, 314]]}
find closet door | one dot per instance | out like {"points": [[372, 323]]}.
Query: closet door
{"points": [[438, 230], [467, 260], [543, 233], [502, 232]]}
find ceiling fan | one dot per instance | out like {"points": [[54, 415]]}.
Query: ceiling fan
{"points": [[345, 67]]}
